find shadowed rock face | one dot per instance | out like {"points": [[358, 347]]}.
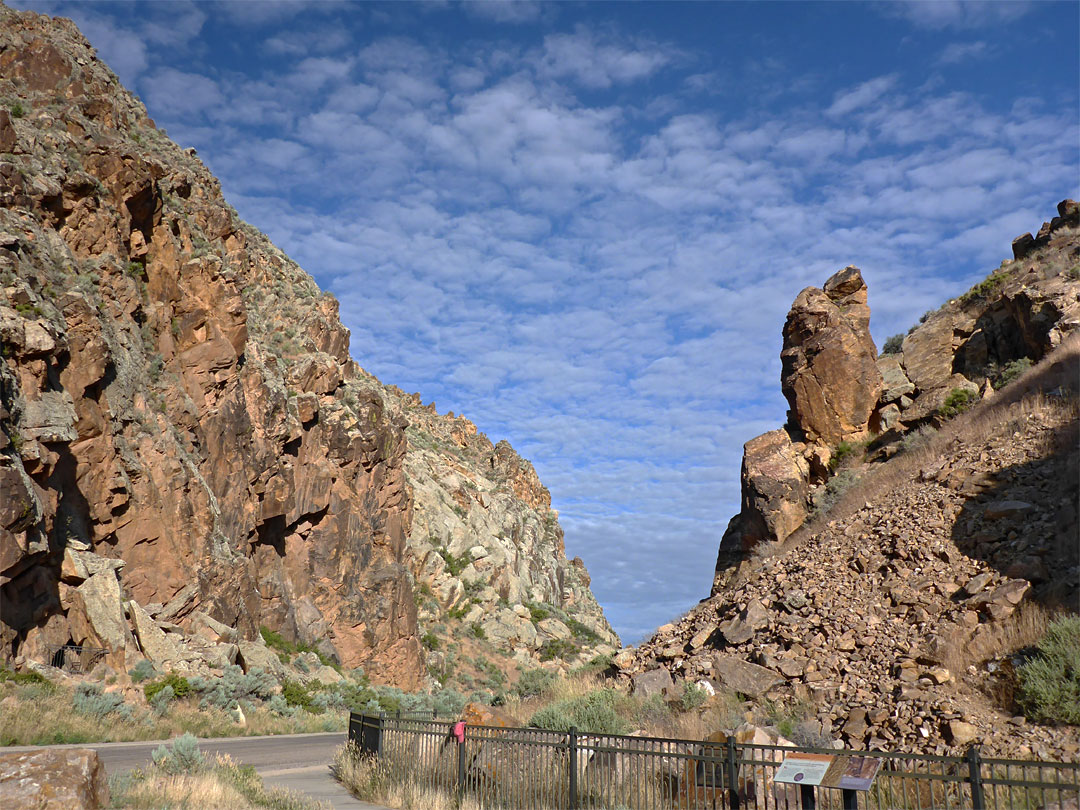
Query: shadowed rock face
{"points": [[176, 394], [830, 375]]}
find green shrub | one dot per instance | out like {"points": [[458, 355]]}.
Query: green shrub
{"points": [[16, 110], [985, 288], [180, 685], [160, 702], [893, 345], [957, 401], [558, 648], [693, 697], [183, 756], [537, 613], [430, 640], [455, 565], [1050, 682], [593, 713], [233, 686], [582, 632], [297, 694], [828, 497], [534, 682], [142, 671], [476, 630], [841, 453], [275, 641], [917, 438], [1011, 370], [91, 701], [28, 677]]}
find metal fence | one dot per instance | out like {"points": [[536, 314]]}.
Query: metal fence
{"points": [[533, 769], [74, 658]]}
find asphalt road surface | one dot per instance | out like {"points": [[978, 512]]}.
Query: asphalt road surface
{"points": [[297, 761]]}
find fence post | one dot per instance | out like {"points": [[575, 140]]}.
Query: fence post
{"points": [[975, 777], [732, 773], [806, 794], [851, 799], [572, 742], [461, 765]]}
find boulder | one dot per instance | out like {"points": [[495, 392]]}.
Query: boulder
{"points": [[155, 643], [830, 375], [774, 492], [654, 682], [742, 628], [894, 380], [104, 610], [737, 675], [253, 655], [53, 779], [477, 714]]}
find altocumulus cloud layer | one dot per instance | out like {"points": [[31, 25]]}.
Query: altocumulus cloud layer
{"points": [[582, 226]]}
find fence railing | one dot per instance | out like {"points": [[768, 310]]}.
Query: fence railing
{"points": [[533, 769], [73, 657]]}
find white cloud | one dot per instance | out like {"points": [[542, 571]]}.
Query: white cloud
{"points": [[960, 14], [866, 93], [957, 52], [598, 64], [505, 11]]}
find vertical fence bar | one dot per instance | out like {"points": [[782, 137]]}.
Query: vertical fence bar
{"points": [[572, 743], [806, 793], [461, 764], [732, 772], [975, 777]]}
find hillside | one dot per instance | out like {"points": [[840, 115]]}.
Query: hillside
{"points": [[882, 581], [187, 451]]}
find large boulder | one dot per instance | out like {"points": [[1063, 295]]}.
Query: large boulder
{"points": [[774, 492], [53, 779], [830, 375], [737, 675]]}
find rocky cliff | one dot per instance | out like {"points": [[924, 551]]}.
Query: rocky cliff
{"points": [[881, 585], [486, 551], [182, 427], [845, 398]]}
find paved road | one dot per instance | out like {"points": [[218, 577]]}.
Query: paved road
{"points": [[297, 761]]}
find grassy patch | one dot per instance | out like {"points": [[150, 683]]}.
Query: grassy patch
{"points": [[1050, 681], [275, 641], [957, 401], [590, 713]]}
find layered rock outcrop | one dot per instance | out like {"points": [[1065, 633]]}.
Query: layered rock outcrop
{"points": [[178, 395], [845, 398], [486, 551], [185, 443], [830, 375]]}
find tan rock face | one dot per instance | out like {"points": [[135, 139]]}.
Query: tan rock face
{"points": [[178, 395], [72, 779], [774, 492], [830, 375]]}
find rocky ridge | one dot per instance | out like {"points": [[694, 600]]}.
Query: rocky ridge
{"points": [[842, 393], [893, 617], [486, 551], [184, 439]]}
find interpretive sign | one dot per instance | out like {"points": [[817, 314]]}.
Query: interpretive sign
{"points": [[803, 769], [828, 770], [852, 773]]}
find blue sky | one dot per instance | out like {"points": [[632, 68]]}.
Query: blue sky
{"points": [[582, 225]]}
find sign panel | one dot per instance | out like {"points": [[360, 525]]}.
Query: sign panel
{"points": [[803, 769], [853, 773]]}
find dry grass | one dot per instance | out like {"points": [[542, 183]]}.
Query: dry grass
{"points": [[41, 717], [223, 785], [372, 780]]}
